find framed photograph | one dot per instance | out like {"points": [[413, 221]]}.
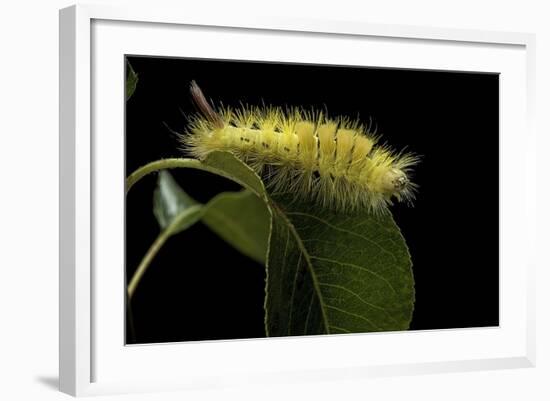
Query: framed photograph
{"points": [[252, 200]]}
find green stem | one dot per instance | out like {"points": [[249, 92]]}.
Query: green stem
{"points": [[146, 261], [189, 216], [164, 235], [179, 163], [161, 165]]}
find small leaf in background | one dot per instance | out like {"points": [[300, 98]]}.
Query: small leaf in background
{"points": [[239, 218], [169, 201], [242, 220], [131, 80], [175, 211]]}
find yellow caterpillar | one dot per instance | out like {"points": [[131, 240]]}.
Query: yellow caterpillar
{"points": [[336, 163]]}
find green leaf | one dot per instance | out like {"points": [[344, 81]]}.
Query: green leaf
{"points": [[327, 272], [131, 81], [170, 201], [175, 211], [336, 273], [242, 220], [227, 165]]}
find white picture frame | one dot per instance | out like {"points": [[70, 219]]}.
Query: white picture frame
{"points": [[93, 358]]}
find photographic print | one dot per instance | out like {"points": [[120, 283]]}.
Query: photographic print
{"points": [[279, 199]]}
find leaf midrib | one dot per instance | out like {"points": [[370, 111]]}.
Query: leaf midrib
{"points": [[309, 264]]}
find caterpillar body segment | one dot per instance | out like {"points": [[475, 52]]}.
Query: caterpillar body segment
{"points": [[336, 163]]}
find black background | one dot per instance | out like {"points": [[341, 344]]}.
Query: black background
{"points": [[198, 288]]}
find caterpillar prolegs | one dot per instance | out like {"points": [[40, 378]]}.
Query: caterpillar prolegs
{"points": [[335, 162]]}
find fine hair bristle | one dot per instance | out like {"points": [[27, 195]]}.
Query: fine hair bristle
{"points": [[204, 106], [334, 162]]}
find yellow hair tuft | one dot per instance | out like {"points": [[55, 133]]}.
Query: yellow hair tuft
{"points": [[334, 162]]}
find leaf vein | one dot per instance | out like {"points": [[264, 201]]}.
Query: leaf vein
{"points": [[360, 298], [369, 240], [303, 251], [357, 267], [354, 315]]}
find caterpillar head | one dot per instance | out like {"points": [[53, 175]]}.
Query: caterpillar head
{"points": [[396, 183]]}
